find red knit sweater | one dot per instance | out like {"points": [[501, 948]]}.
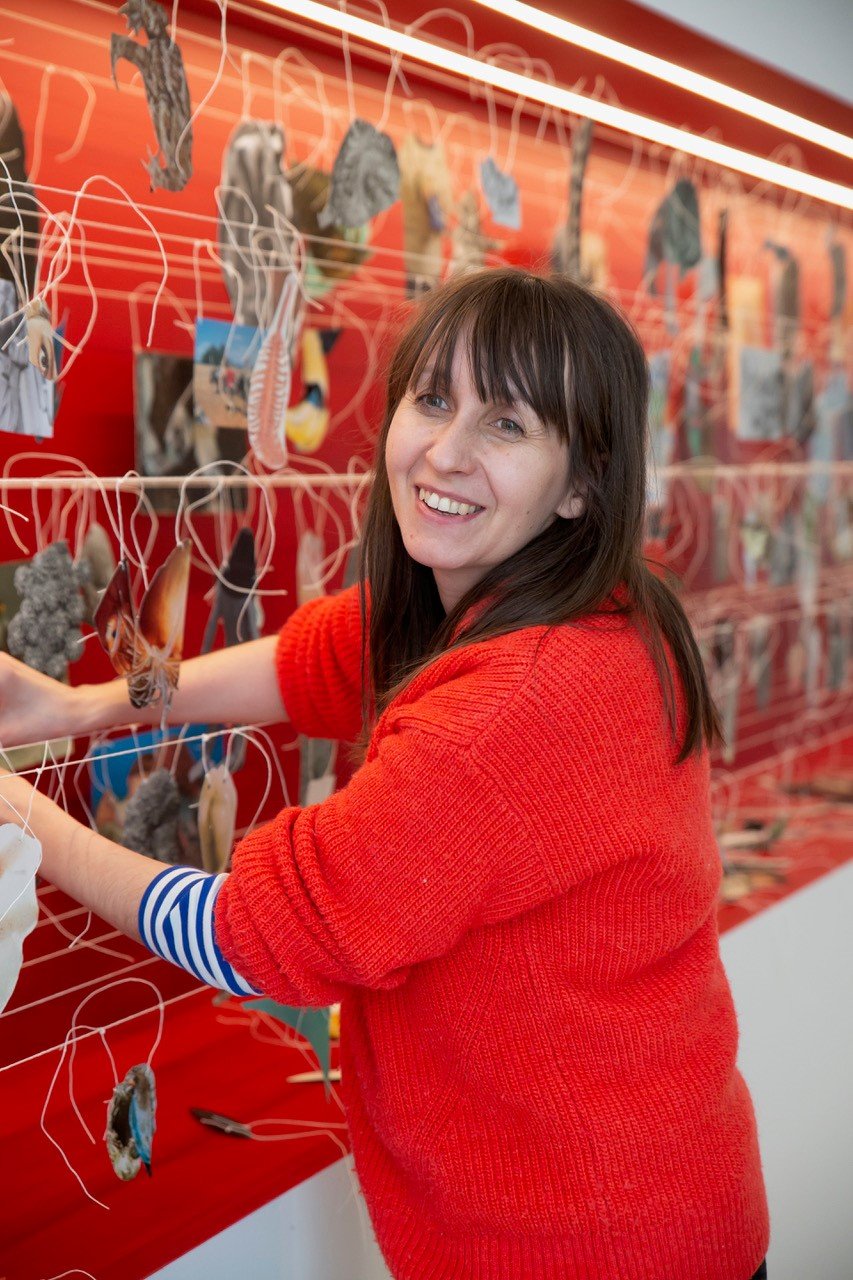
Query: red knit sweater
{"points": [[514, 899]]}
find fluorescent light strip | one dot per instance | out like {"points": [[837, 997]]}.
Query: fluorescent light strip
{"points": [[564, 100], [672, 73]]}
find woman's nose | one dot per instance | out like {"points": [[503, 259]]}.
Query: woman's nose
{"points": [[450, 448]]}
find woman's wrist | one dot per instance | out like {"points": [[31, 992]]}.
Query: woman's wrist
{"points": [[95, 707]]}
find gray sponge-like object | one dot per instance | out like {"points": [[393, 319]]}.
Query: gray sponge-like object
{"points": [[151, 817], [45, 632]]}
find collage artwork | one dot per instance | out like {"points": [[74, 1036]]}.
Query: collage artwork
{"points": [[210, 231]]}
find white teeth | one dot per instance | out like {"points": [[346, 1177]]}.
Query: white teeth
{"points": [[446, 505]]}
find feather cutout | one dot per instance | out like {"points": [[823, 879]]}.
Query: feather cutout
{"points": [[147, 650], [269, 389], [131, 1122]]}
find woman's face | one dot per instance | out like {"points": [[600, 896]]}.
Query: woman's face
{"points": [[499, 473]]}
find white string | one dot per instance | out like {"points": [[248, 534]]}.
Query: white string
{"points": [[71, 1038]]}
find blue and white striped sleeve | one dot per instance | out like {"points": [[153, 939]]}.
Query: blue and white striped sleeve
{"points": [[176, 921]]}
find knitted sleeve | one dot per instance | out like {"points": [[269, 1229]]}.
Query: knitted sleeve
{"points": [[318, 664], [390, 871]]}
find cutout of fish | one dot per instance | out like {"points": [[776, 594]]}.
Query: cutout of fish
{"points": [[217, 816], [269, 389], [131, 1122], [365, 177], [147, 649], [501, 192], [20, 855]]}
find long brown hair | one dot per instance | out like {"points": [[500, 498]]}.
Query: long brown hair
{"points": [[570, 355]]}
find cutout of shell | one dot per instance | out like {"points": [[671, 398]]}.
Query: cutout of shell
{"points": [[131, 1122], [20, 855], [217, 815]]}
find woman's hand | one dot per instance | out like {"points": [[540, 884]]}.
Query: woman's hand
{"points": [[34, 707]]}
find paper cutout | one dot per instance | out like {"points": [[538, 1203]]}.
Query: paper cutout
{"points": [[97, 564], [20, 855], [427, 198], [310, 552], [269, 388], [254, 201], [223, 360], [151, 818], [45, 632], [217, 815], [674, 235], [41, 339], [501, 192], [27, 397], [307, 423], [231, 603], [162, 68], [147, 649], [566, 252], [334, 252], [661, 430], [317, 778], [313, 1024], [19, 218], [760, 413], [365, 178], [131, 1121], [469, 245]]}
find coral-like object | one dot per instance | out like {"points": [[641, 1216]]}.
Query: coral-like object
{"points": [[151, 817], [45, 632]]}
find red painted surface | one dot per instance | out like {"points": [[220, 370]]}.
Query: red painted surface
{"points": [[203, 1181]]}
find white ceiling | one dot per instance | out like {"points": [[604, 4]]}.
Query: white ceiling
{"points": [[809, 39]]}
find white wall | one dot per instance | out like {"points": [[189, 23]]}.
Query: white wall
{"points": [[809, 39], [791, 970]]}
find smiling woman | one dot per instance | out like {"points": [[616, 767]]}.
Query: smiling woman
{"points": [[527, 843], [525, 398]]}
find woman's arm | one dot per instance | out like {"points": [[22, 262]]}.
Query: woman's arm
{"points": [[117, 883], [105, 877], [236, 685]]}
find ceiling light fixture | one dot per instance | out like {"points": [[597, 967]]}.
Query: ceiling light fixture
{"points": [[672, 73], [541, 91]]}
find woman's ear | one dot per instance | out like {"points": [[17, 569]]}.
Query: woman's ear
{"points": [[572, 506]]}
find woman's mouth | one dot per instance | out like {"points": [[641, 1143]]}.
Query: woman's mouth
{"points": [[440, 505]]}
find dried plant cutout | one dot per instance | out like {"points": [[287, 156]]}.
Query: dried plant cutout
{"points": [[147, 650]]}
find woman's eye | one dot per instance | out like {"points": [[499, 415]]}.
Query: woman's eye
{"points": [[432, 400], [510, 427]]}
